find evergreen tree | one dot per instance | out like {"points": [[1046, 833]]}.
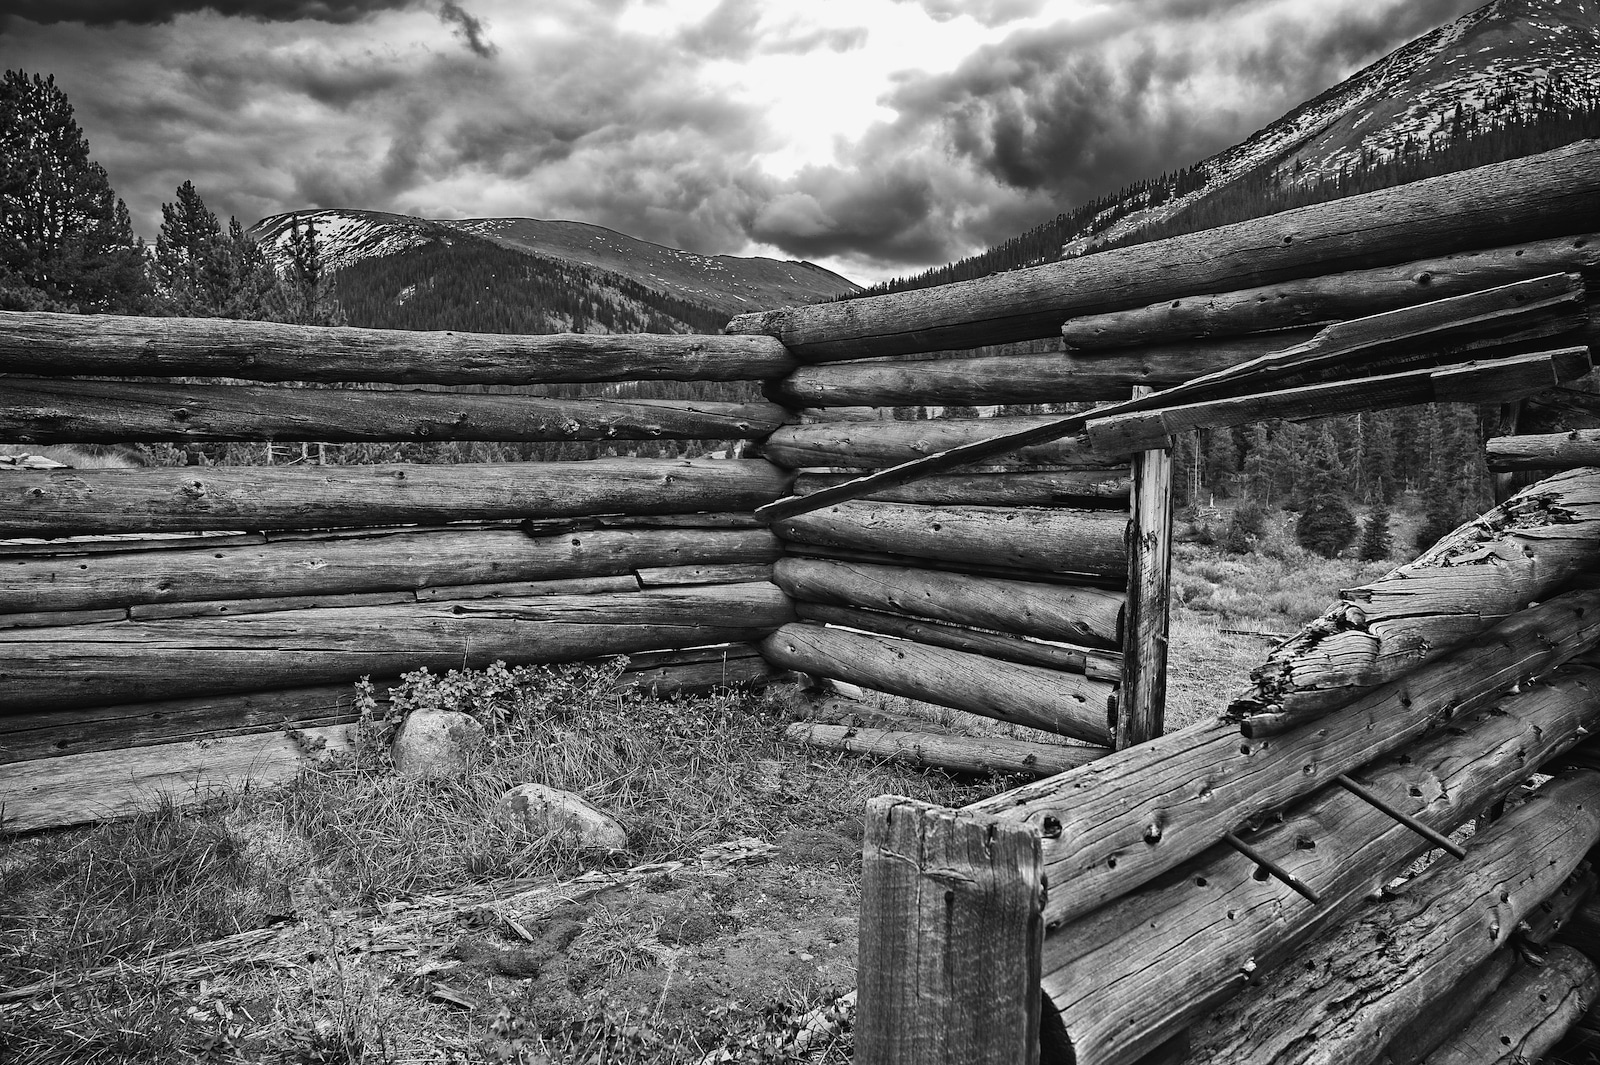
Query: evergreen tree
{"points": [[960, 413], [1326, 526], [1375, 540], [307, 288], [191, 262]]}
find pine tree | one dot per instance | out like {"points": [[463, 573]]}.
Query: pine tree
{"points": [[307, 289], [190, 267], [1375, 540]]}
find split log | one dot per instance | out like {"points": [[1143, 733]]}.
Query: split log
{"points": [[1129, 818], [1065, 703], [445, 563], [1527, 1016], [271, 604], [1057, 540], [963, 382], [1105, 489], [871, 445], [1149, 963], [1531, 198], [1090, 661], [81, 502], [704, 573], [82, 788], [1110, 582], [964, 754], [43, 411], [1544, 451], [117, 543], [43, 669], [1051, 612], [113, 345], [1350, 991], [38, 619], [1332, 297], [1521, 552], [622, 582], [1451, 1012], [698, 670]]}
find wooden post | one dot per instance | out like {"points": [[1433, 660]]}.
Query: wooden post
{"points": [[1142, 702], [951, 933]]}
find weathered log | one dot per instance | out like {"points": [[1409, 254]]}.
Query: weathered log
{"points": [[81, 502], [1131, 973], [1142, 698], [1519, 553], [1051, 612], [1354, 988], [269, 604], [871, 445], [622, 582], [1170, 364], [1106, 489], [1527, 1016], [946, 893], [1555, 913], [447, 563], [1532, 198], [64, 344], [81, 788], [964, 382], [703, 573], [1499, 379], [1090, 661], [698, 669], [1331, 297], [1056, 540], [42, 669], [38, 619], [1582, 930], [1110, 582], [118, 543], [965, 754], [1067, 703], [43, 411], [1544, 451], [1452, 1011], [1130, 817]]}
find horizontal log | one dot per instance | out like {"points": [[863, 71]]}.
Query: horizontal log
{"points": [[1091, 616], [444, 563], [1147, 964], [1160, 365], [43, 411], [1332, 297], [38, 619], [699, 670], [1057, 540], [621, 582], [1528, 1015], [1066, 703], [43, 669], [870, 445], [704, 573], [54, 792], [118, 543], [963, 382], [1453, 1011], [1531, 198], [1353, 989], [1090, 661], [1112, 582], [1500, 380], [1544, 451], [83, 502], [1148, 808], [1035, 488], [1522, 551], [963, 754], [229, 607], [68, 344]]}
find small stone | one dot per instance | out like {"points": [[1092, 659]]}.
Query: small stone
{"points": [[435, 743], [542, 810]]}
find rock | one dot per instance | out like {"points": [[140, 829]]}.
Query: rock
{"points": [[544, 810], [435, 743]]}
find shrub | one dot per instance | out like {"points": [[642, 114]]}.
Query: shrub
{"points": [[1245, 527], [1326, 527]]}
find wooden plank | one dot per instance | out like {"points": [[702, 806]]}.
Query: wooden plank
{"points": [[1105, 489], [89, 665], [45, 411], [1531, 198], [1055, 540], [1528, 1015], [1353, 989], [1141, 812], [1149, 963], [1088, 616], [936, 381], [704, 573], [965, 754], [1090, 661], [66, 344], [1142, 697], [950, 930], [1518, 553], [82, 788], [1331, 297], [1544, 451], [871, 445], [81, 502], [699, 670], [1065, 703], [441, 564], [119, 543]]}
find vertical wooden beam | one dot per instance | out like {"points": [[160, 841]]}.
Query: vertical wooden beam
{"points": [[952, 929], [1142, 701]]}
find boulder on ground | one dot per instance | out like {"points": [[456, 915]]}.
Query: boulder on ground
{"points": [[435, 743], [542, 810]]}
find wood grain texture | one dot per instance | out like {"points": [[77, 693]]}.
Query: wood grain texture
{"points": [[66, 344], [85, 502], [1142, 695], [1097, 489], [950, 929], [1532, 198], [1065, 703], [1453, 1011], [1527, 1015], [965, 754], [1544, 451], [963, 382], [871, 445]]}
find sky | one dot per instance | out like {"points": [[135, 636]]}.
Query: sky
{"points": [[874, 137]]}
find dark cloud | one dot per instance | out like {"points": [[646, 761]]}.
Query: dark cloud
{"points": [[467, 27], [149, 12]]}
